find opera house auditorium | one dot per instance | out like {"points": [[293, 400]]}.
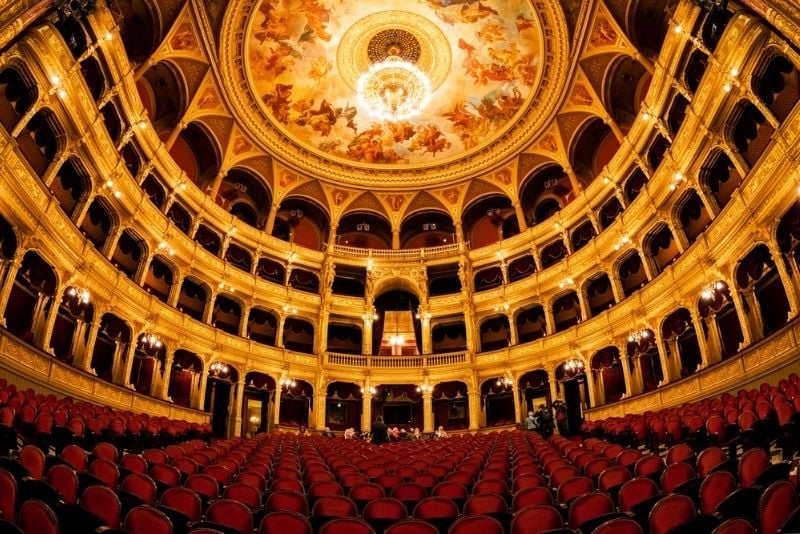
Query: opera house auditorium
{"points": [[419, 266]]}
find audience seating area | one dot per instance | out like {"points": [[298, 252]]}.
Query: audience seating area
{"points": [[507, 482]]}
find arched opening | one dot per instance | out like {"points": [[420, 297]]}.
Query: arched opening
{"points": [[655, 153], [262, 326], [449, 335], [520, 268], [159, 279], [130, 252], [678, 332], [427, 229], [155, 191], [676, 113], [608, 375], [662, 248], [582, 235], [544, 192], [184, 378], [534, 388], [304, 281], [96, 225], [193, 298], [694, 216], [716, 20], [296, 401], [163, 93], [495, 333], [484, 221], [397, 331], [364, 230], [31, 297], [195, 151], [553, 253], [488, 278], [8, 240], [749, 132], [497, 402], [695, 70], [95, 79], [719, 177], [632, 274], [111, 348], [645, 360], [626, 88], [139, 28], [298, 335], [73, 34], [39, 141], [399, 404], [245, 196], [71, 327], [208, 239], [219, 390], [573, 392], [592, 149], [758, 279], [258, 403], [777, 85], [531, 324], [609, 212], [444, 279], [271, 270], [344, 338], [71, 186], [648, 23], [132, 158], [227, 314], [634, 184], [18, 92], [450, 405], [302, 222], [566, 311], [147, 369], [344, 406], [180, 217], [599, 294], [721, 325], [239, 257]]}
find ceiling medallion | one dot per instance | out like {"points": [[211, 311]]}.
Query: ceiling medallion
{"points": [[393, 90]]}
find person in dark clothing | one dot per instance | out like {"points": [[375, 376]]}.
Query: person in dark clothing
{"points": [[545, 421], [380, 432]]}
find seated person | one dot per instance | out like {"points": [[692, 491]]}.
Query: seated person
{"points": [[327, 433], [350, 433], [441, 433]]}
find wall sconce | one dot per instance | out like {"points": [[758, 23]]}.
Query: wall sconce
{"points": [[288, 383], [676, 180], [504, 382], [638, 336], [567, 282], [165, 247], [709, 291], [424, 388], [80, 294], [150, 341], [624, 240], [371, 391], [219, 368], [574, 366]]}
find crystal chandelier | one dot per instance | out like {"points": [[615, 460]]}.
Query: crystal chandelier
{"points": [[574, 365], [709, 291], [397, 340], [639, 336], [150, 341], [393, 90], [80, 294]]}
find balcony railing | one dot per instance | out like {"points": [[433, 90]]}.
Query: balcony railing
{"points": [[396, 362], [403, 254]]}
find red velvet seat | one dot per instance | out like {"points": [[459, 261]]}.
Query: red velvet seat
{"points": [[674, 475], [411, 526], [714, 488], [231, 514], [35, 517], [284, 522], [536, 519], [364, 492], [613, 477], [490, 486], [243, 493], [648, 465], [439, 511], [203, 484], [680, 453], [32, 458], [635, 491], [530, 497], [286, 484], [65, 481], [76, 457], [572, 488], [621, 525], [530, 480], [751, 464], [106, 451], [628, 458], [133, 463], [332, 507], [346, 526], [219, 473], [382, 512], [670, 512], [147, 520], [155, 456], [103, 503], [708, 459], [106, 471], [588, 507], [775, 506], [409, 494], [183, 500], [291, 501], [142, 486], [737, 525], [472, 524]]}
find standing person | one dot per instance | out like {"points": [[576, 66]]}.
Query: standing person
{"points": [[545, 421], [531, 424], [380, 432], [561, 417]]}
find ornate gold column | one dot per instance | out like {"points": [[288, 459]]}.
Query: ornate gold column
{"points": [[200, 399], [427, 411], [748, 334], [11, 269], [517, 404], [166, 373], [474, 403], [366, 407], [238, 406], [702, 342], [523, 223]]}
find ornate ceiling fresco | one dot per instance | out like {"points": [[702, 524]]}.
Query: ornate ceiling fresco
{"points": [[483, 60], [490, 67]]}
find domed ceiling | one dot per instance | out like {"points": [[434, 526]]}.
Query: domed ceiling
{"points": [[322, 90]]}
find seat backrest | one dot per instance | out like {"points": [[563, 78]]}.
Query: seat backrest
{"points": [[102, 502], [409, 492], [485, 504], [366, 491], [490, 486], [670, 512], [232, 514], [451, 490], [737, 525], [147, 519], [106, 451], [75, 456], [142, 486], [679, 453], [155, 456], [714, 488], [708, 459], [385, 508], [535, 519], [133, 463], [244, 493], [751, 464], [572, 488], [334, 506], [621, 525], [167, 475], [613, 477], [292, 501], [32, 459], [325, 488], [184, 500], [8, 495], [476, 523], [284, 522], [219, 472], [635, 491], [530, 497], [563, 473], [36, 517], [648, 465], [346, 526], [203, 484], [775, 506], [106, 471], [411, 526], [588, 506], [65, 480], [675, 475]]}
